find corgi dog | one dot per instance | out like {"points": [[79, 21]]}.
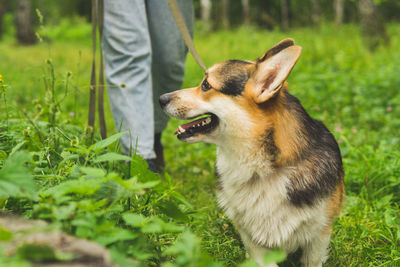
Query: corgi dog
{"points": [[279, 171]]}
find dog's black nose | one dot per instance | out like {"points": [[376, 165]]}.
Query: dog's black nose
{"points": [[164, 99]]}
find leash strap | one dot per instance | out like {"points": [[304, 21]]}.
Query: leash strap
{"points": [[176, 13], [100, 100], [92, 92], [97, 22]]}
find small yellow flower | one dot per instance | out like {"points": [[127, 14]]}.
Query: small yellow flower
{"points": [[1, 78]]}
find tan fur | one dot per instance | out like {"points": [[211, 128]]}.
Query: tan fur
{"points": [[286, 127], [334, 205]]}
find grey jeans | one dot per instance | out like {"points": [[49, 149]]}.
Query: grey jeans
{"points": [[144, 56]]}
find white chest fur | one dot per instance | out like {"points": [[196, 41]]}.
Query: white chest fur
{"points": [[254, 197]]}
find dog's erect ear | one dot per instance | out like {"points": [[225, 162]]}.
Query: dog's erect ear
{"points": [[273, 68], [285, 43]]}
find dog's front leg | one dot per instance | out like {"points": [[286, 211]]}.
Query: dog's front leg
{"points": [[315, 252], [255, 251]]}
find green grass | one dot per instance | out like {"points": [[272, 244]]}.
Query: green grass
{"points": [[353, 91]]}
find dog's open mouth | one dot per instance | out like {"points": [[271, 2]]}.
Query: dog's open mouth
{"points": [[200, 126]]}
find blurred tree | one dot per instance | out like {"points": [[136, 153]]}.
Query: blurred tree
{"points": [[372, 24], [265, 13], [225, 14], [390, 9], [338, 7], [54, 11], [3, 9], [206, 13], [270, 14], [23, 21], [216, 14], [316, 12], [246, 11], [285, 14]]}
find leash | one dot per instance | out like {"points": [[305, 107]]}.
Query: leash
{"points": [[100, 99], [97, 22], [176, 13]]}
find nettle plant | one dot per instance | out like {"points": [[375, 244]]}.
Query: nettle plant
{"points": [[50, 171], [135, 213]]}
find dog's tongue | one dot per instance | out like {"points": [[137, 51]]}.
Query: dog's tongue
{"points": [[190, 124]]}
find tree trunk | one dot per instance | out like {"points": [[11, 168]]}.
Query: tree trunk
{"points": [[3, 9], [23, 20], [285, 14], [372, 25], [225, 14], [246, 11], [338, 7], [315, 16], [206, 13]]}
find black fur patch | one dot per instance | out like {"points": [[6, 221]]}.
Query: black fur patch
{"points": [[314, 183], [234, 76], [255, 178], [318, 168], [269, 144]]}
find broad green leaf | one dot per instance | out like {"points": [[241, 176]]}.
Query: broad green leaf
{"points": [[391, 217], [152, 228], [96, 172], [106, 142], [121, 259], [274, 256], [157, 225], [384, 201], [17, 147], [172, 228], [36, 252], [139, 167], [173, 211], [109, 190], [187, 245], [168, 178], [5, 234], [67, 158], [182, 199], [133, 219], [81, 186], [88, 220], [139, 186], [63, 212], [16, 179], [115, 235], [111, 156], [9, 189], [249, 263]]}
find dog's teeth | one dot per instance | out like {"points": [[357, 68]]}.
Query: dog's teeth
{"points": [[181, 130], [203, 123], [208, 120]]}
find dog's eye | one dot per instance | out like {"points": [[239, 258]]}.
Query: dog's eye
{"points": [[205, 86]]}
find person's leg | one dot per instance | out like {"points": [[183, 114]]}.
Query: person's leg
{"points": [[127, 55], [168, 59], [168, 52]]}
